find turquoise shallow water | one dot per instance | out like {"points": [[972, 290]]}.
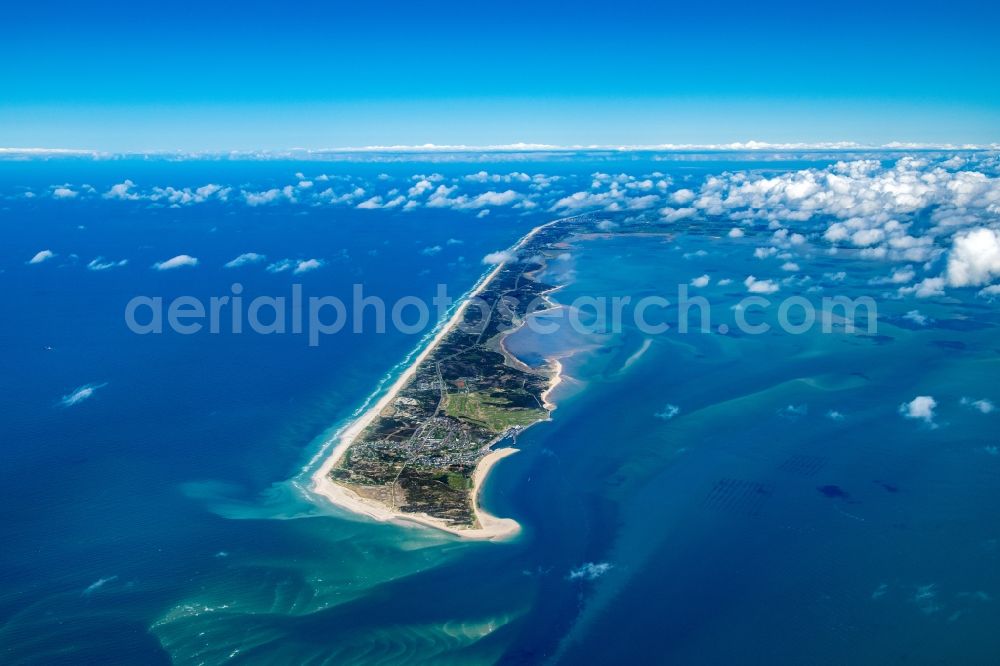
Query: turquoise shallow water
{"points": [[160, 521], [725, 544]]}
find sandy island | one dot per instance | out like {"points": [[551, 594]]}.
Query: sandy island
{"points": [[490, 527]]}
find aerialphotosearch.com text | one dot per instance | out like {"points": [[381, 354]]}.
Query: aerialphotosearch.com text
{"points": [[316, 317]]}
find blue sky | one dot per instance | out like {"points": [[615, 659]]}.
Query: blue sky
{"points": [[116, 76]]}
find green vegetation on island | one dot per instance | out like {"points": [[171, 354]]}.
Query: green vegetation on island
{"points": [[467, 393]]}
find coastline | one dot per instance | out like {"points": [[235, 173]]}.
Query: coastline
{"points": [[490, 527]]}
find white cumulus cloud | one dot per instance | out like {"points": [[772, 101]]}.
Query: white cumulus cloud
{"points": [[121, 191], [682, 197], [990, 293], [181, 260], [245, 259], [494, 258], [983, 405], [755, 286], [80, 394], [926, 288], [296, 266], [921, 407], [674, 214], [668, 412], [590, 571], [307, 265], [974, 259], [916, 317], [102, 264], [39, 257]]}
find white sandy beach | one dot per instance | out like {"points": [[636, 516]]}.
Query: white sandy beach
{"points": [[490, 527]]}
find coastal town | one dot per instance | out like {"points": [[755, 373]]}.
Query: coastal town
{"points": [[419, 454]]}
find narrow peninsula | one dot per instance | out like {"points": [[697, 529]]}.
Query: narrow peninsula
{"points": [[422, 451]]}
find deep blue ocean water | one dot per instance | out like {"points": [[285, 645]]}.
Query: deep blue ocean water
{"points": [[159, 521]]}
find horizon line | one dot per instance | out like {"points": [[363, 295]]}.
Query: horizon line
{"points": [[510, 148]]}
